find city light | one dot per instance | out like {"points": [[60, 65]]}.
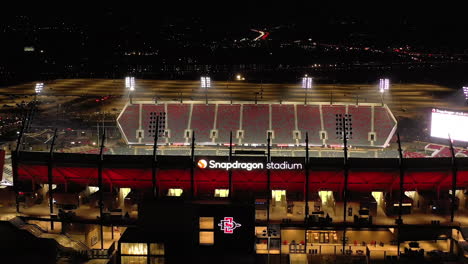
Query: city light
{"points": [[240, 77], [39, 87], [130, 83], [465, 91], [384, 84], [205, 82]]}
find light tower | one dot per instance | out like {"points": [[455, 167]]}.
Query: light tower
{"points": [[384, 85], [205, 82], [130, 85], [38, 89], [306, 84]]}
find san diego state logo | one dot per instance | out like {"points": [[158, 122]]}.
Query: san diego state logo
{"points": [[202, 164], [228, 225]]}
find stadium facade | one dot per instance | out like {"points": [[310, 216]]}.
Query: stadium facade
{"points": [[212, 174]]}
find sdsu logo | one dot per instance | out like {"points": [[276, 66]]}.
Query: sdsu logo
{"points": [[228, 225], [202, 164]]}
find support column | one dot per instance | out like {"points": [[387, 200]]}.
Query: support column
{"points": [[454, 181], [192, 167], [230, 170], [15, 161], [50, 178], [345, 189], [306, 191], [155, 155], [268, 181], [402, 191], [101, 189]]}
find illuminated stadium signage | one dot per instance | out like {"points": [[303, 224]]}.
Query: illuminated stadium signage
{"points": [[228, 225], [213, 164], [445, 123]]}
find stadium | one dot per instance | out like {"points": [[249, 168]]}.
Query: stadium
{"points": [[312, 175]]}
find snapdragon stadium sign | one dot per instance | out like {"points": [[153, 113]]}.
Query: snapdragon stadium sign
{"points": [[213, 164]]}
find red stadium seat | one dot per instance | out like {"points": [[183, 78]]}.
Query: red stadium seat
{"points": [[255, 123], [227, 120], [282, 123], [308, 120], [202, 121], [177, 119]]}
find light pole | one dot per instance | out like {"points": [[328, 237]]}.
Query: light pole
{"points": [[344, 131], [205, 82], [38, 89], [130, 85], [384, 85], [306, 84]]}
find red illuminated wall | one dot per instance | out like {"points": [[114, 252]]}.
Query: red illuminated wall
{"points": [[254, 181]]}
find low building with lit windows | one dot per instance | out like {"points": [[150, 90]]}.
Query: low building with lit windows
{"points": [[177, 231]]}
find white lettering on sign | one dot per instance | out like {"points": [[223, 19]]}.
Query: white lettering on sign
{"points": [[213, 164]]}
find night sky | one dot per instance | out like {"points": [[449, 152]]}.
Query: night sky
{"points": [[93, 39]]}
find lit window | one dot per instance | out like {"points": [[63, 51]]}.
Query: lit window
{"points": [[175, 192], [156, 260], [134, 260], [206, 230], [156, 249], [134, 249], [92, 189], [277, 195], [221, 192], [207, 223], [206, 237]]}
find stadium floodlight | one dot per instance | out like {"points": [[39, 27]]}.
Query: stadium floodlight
{"points": [[130, 83], [306, 84], [205, 83], [384, 84], [465, 91], [39, 87]]}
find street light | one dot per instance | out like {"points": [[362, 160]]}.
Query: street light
{"points": [[205, 83], [306, 84], [240, 77], [384, 85], [130, 85]]}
